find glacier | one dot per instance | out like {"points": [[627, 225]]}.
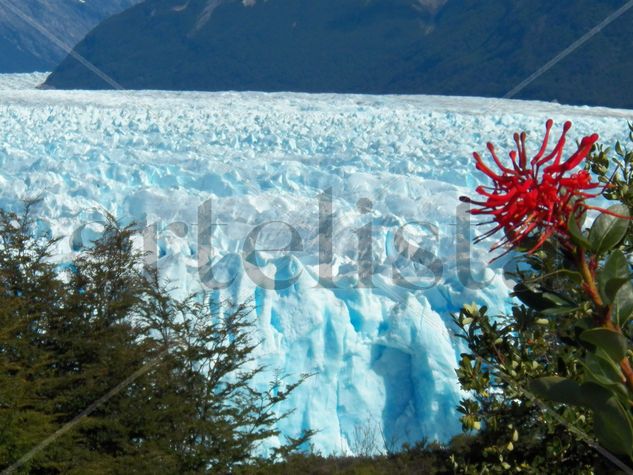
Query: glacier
{"points": [[249, 188]]}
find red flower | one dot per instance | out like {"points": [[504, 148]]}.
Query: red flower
{"points": [[534, 198]]}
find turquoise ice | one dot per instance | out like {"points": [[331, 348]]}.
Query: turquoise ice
{"points": [[383, 356]]}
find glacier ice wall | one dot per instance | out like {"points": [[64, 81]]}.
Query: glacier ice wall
{"points": [[382, 348]]}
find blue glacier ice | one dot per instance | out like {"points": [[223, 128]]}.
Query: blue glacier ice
{"points": [[382, 352]]}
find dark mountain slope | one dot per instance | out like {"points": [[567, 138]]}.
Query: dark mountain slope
{"points": [[463, 47], [24, 49], [296, 45]]}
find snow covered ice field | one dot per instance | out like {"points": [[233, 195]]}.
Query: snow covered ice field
{"points": [[384, 355]]}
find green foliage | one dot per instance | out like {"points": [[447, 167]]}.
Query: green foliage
{"points": [[29, 294], [504, 354], [160, 384], [607, 230], [617, 171], [554, 377], [421, 458]]}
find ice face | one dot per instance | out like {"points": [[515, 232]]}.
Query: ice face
{"points": [[268, 181]]}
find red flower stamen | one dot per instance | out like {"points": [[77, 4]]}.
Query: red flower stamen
{"points": [[527, 202]]}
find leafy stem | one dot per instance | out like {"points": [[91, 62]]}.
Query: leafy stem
{"points": [[589, 280]]}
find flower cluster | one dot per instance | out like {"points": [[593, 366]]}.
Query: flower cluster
{"points": [[534, 198]]}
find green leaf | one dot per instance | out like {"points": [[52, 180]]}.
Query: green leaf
{"points": [[576, 234], [526, 244], [613, 343], [613, 427], [557, 389], [596, 397], [622, 308], [613, 275], [609, 368], [557, 311], [534, 300], [607, 231], [583, 324], [556, 299], [593, 395], [601, 370]]}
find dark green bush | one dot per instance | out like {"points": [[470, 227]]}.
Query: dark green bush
{"points": [[101, 371]]}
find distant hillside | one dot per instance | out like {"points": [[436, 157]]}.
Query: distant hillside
{"points": [[454, 47], [25, 49]]}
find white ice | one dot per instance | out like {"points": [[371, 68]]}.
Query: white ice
{"points": [[384, 356]]}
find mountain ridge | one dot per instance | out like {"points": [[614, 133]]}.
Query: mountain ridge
{"points": [[25, 49], [459, 47]]}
